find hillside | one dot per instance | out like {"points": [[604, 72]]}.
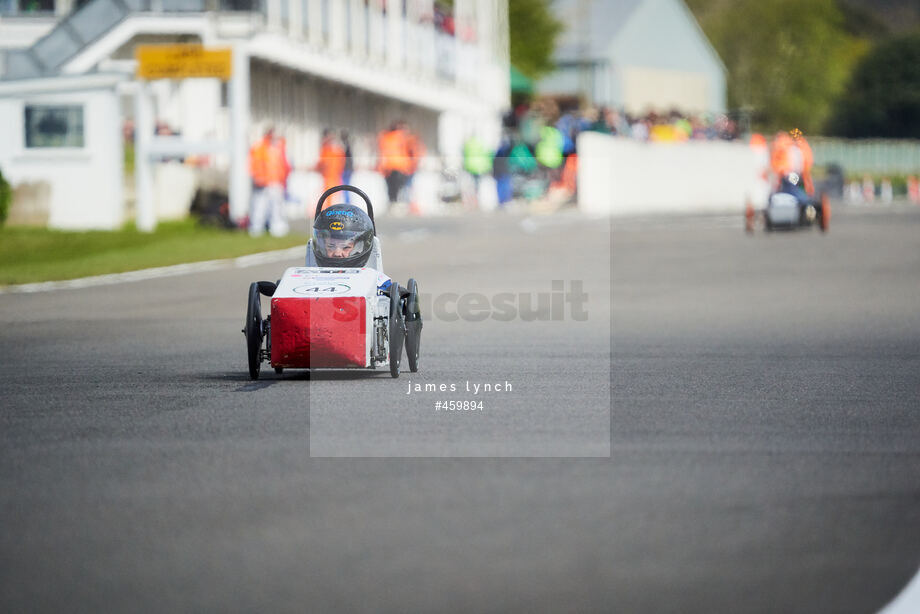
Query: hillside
{"points": [[863, 17]]}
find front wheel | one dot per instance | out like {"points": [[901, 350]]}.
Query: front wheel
{"points": [[397, 332], [413, 315], [253, 331]]}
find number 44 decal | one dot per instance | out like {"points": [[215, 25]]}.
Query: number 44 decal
{"points": [[323, 289]]}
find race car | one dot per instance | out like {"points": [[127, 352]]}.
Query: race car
{"points": [[790, 207], [339, 310]]}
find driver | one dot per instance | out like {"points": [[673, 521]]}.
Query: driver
{"points": [[343, 236], [339, 248]]}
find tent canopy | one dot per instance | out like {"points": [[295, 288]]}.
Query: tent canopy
{"points": [[520, 83]]}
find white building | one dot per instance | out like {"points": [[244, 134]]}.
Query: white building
{"points": [[637, 55], [68, 91]]}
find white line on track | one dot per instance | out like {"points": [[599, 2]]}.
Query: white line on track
{"points": [[240, 262]]}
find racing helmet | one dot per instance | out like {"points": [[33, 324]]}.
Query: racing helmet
{"points": [[343, 236]]}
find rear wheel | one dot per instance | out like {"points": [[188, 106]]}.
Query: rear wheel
{"points": [[413, 315], [253, 331], [397, 332]]}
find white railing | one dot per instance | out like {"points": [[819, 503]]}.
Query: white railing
{"points": [[874, 156]]}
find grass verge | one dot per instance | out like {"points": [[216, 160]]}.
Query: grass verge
{"points": [[36, 254]]}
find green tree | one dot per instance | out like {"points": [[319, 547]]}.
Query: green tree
{"points": [[883, 97], [787, 60], [533, 30]]}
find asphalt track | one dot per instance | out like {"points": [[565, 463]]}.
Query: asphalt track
{"points": [[759, 450]]}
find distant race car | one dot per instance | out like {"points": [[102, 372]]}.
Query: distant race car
{"points": [[325, 316], [790, 207]]}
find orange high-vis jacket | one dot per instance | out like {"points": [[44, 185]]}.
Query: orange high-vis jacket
{"points": [[268, 163], [783, 159], [394, 152], [779, 154], [416, 150], [331, 164]]}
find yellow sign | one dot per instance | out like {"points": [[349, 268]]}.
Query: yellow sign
{"points": [[183, 61]]}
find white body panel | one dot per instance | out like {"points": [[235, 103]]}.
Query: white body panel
{"points": [[783, 209]]}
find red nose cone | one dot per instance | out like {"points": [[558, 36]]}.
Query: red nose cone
{"points": [[319, 332]]}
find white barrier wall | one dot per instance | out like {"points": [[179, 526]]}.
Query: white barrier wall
{"points": [[174, 190], [85, 182], [622, 176]]}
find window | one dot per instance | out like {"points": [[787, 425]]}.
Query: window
{"points": [[54, 126], [26, 7]]}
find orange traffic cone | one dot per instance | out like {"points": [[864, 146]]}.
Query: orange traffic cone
{"points": [[749, 217]]}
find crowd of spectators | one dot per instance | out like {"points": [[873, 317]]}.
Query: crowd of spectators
{"points": [[670, 126], [537, 157]]}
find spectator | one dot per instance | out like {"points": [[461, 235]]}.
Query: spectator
{"points": [[568, 128], [477, 161], [395, 162], [331, 163], [616, 122], [549, 149], [639, 129], [269, 170], [792, 154], [596, 121], [530, 124], [443, 18], [522, 160], [501, 171], [683, 129]]}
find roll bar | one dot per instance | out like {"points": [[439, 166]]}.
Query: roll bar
{"points": [[346, 188]]}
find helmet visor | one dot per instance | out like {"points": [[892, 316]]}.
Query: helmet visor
{"points": [[342, 244]]}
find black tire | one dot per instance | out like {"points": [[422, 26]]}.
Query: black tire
{"points": [[397, 332], [253, 331], [279, 370], [413, 316]]}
